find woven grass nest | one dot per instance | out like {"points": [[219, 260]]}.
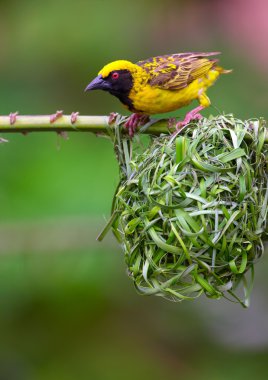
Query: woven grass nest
{"points": [[191, 210]]}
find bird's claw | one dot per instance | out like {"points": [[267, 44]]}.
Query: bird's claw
{"points": [[131, 124], [192, 115], [186, 121], [134, 121]]}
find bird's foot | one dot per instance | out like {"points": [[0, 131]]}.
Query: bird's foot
{"points": [[135, 120], [192, 115]]}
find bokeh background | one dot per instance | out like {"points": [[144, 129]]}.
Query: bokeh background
{"points": [[67, 308]]}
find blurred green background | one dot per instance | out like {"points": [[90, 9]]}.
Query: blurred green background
{"points": [[67, 308]]}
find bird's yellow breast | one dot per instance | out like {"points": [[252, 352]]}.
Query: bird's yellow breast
{"points": [[153, 100]]}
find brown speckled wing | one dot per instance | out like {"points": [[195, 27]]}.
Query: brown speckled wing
{"points": [[176, 71]]}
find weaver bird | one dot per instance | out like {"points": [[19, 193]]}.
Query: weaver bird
{"points": [[160, 84]]}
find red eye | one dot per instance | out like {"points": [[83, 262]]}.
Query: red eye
{"points": [[115, 75]]}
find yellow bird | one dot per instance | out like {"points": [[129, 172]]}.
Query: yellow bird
{"points": [[160, 84]]}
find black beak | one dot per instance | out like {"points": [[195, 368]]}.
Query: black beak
{"points": [[97, 84]]}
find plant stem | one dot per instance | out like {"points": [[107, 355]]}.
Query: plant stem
{"points": [[62, 123], [42, 123]]}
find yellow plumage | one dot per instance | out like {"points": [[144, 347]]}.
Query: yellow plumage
{"points": [[153, 100]]}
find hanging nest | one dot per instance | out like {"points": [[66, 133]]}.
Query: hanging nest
{"points": [[190, 210]]}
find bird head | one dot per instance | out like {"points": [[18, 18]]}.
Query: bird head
{"points": [[117, 78]]}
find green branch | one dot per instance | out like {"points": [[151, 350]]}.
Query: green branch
{"points": [[58, 122], [65, 123]]}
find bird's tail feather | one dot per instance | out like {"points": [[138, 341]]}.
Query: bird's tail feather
{"points": [[221, 70]]}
